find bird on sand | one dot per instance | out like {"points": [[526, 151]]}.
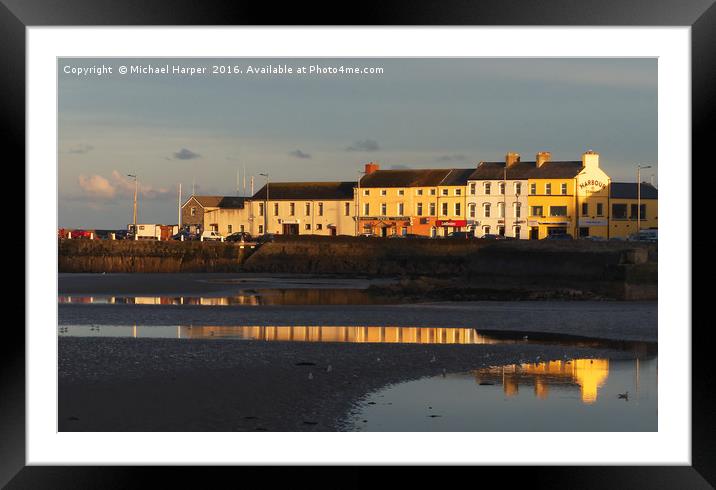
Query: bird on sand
{"points": [[433, 359], [310, 375], [624, 396], [329, 368]]}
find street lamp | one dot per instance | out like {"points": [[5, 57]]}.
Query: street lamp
{"points": [[136, 186], [266, 210], [360, 172], [638, 196]]}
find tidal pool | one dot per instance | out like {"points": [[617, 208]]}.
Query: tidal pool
{"points": [[576, 395]]}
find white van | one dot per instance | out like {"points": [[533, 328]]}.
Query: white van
{"points": [[211, 235]]}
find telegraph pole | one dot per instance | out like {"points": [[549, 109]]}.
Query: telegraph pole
{"points": [[266, 211], [638, 197], [179, 209], [134, 214]]}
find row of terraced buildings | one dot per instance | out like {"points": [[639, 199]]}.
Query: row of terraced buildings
{"points": [[515, 198]]}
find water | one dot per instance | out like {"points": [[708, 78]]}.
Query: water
{"points": [[577, 395], [253, 297]]}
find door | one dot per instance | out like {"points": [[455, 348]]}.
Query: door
{"points": [[290, 229], [383, 231], [534, 233], [584, 231]]}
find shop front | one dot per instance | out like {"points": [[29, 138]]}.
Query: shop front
{"points": [[451, 225]]}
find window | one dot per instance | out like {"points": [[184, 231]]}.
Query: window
{"points": [[419, 192], [261, 228], [485, 230], [486, 210], [445, 209], [261, 209], [307, 227], [642, 214], [537, 211], [319, 226], [518, 188], [401, 192], [487, 188], [275, 209], [502, 188], [432, 209], [445, 192], [292, 209], [383, 209], [564, 189], [320, 209], [241, 228], [548, 189], [308, 209], [533, 188], [458, 209], [347, 210], [501, 230], [473, 188], [558, 210], [458, 192], [383, 192], [472, 210], [432, 192], [401, 209], [619, 211], [366, 209], [419, 209], [517, 232], [600, 209], [366, 192], [404, 231], [500, 210], [193, 211], [518, 210], [585, 209], [231, 229]]}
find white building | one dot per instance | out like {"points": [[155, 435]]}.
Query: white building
{"points": [[497, 197]]}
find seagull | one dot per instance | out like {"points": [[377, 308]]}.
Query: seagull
{"points": [[310, 375], [433, 359], [329, 368], [624, 396]]}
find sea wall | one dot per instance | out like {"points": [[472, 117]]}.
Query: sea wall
{"points": [[149, 256]]}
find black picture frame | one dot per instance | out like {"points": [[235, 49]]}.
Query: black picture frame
{"points": [[700, 15]]}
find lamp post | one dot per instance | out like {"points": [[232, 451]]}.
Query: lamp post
{"points": [[638, 196], [267, 203], [360, 172], [134, 214]]}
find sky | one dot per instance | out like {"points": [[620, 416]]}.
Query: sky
{"points": [[200, 130]]}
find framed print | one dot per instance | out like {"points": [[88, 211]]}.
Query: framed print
{"points": [[429, 238]]}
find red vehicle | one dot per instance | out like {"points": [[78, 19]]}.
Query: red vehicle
{"points": [[85, 234]]}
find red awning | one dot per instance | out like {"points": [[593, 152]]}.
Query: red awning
{"points": [[454, 222]]}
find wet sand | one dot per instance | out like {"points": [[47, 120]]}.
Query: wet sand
{"points": [[223, 385]]}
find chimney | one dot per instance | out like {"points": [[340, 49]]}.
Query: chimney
{"points": [[590, 159], [542, 158], [371, 167], [512, 158]]}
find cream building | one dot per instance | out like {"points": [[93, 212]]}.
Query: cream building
{"points": [[303, 208]]}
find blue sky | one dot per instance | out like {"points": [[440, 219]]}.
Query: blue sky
{"points": [[419, 113]]}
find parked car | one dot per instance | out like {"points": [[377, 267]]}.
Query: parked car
{"points": [[413, 236], [367, 235], [188, 236], [493, 236], [211, 235], [644, 236], [558, 236], [265, 238], [465, 235], [123, 235], [593, 238], [239, 236]]}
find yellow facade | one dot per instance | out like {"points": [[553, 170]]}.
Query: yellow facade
{"points": [[301, 217], [451, 204], [625, 225], [551, 204]]}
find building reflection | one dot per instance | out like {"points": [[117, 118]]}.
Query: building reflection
{"points": [[588, 374]]}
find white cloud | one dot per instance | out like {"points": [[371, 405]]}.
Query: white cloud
{"points": [[118, 186]]}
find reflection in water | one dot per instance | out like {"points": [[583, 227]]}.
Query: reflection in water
{"points": [[405, 335], [588, 374], [255, 297], [580, 395]]}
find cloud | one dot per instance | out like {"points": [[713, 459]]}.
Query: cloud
{"points": [[299, 154], [364, 145], [185, 154], [452, 158], [80, 149], [97, 186], [118, 186]]}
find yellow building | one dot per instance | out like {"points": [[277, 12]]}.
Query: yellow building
{"points": [[624, 202], [569, 197]]}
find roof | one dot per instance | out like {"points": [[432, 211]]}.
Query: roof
{"points": [[405, 178], [526, 170], [628, 190], [307, 191], [457, 176], [219, 201]]}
